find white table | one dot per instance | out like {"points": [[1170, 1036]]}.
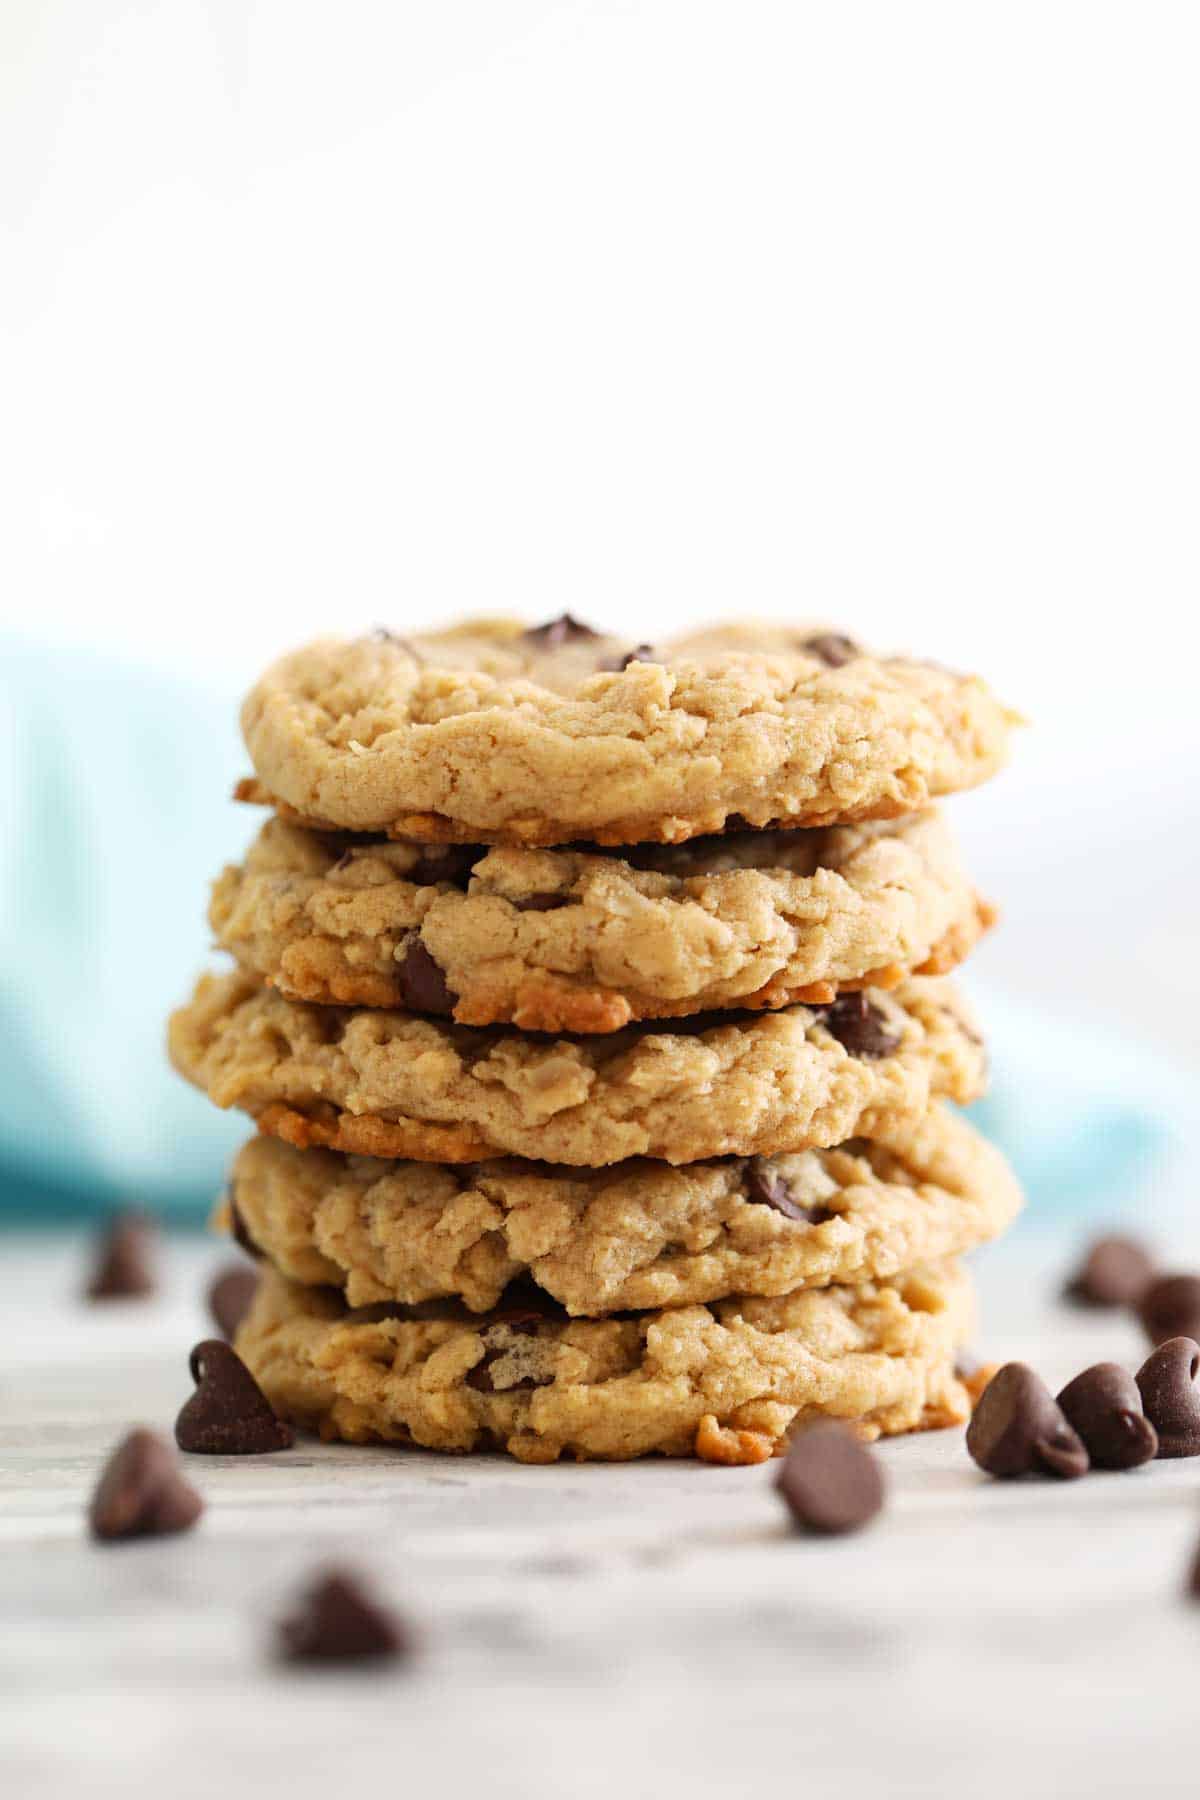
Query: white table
{"points": [[589, 1630]]}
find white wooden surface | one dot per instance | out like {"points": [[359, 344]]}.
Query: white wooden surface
{"points": [[589, 1630]]}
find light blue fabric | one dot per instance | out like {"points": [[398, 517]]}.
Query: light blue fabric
{"points": [[116, 814]]}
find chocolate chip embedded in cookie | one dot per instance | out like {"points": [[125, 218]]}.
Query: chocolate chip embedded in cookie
{"points": [[502, 733], [385, 1083], [880, 1354], [637, 1235], [581, 941]]}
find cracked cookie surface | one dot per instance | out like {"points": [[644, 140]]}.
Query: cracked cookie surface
{"points": [[636, 1235], [498, 733], [529, 1380], [382, 1083], [581, 941]]}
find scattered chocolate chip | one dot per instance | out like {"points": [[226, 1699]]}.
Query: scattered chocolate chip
{"points": [[767, 1186], [616, 665], [337, 1622], [444, 862], [860, 1026], [542, 902], [1170, 1400], [1170, 1307], [141, 1491], [831, 648], [830, 1481], [563, 630], [1017, 1428], [1105, 1408], [230, 1295], [228, 1415], [238, 1227], [422, 982], [124, 1260], [1115, 1271]]}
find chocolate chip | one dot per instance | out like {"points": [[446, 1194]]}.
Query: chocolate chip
{"points": [[563, 630], [1017, 1428], [141, 1492], [616, 665], [523, 1322], [445, 862], [228, 1415], [337, 1622], [860, 1026], [422, 982], [767, 1186], [1115, 1271], [238, 1227], [1170, 1307], [1105, 1408], [124, 1260], [831, 648], [830, 1481], [1167, 1384], [230, 1296], [542, 902]]}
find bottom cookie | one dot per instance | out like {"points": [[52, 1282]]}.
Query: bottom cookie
{"points": [[727, 1382]]}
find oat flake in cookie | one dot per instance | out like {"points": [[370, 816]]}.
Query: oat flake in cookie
{"points": [[583, 941], [495, 732], [385, 1083], [639, 1234], [688, 1380]]}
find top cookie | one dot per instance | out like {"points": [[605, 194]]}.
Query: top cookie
{"points": [[492, 732]]}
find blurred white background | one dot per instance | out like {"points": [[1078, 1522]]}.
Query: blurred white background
{"points": [[322, 315]]}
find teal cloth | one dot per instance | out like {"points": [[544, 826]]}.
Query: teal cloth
{"points": [[116, 815]]}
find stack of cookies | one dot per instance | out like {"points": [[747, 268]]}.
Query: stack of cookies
{"points": [[591, 1004]]}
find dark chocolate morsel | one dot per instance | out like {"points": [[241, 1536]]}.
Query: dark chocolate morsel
{"points": [[1104, 1406], [860, 1026], [444, 863], [831, 648], [141, 1491], [123, 1267], [422, 982], [616, 665], [1170, 1307], [542, 902], [228, 1415], [1170, 1398], [769, 1188], [830, 1482], [337, 1621], [239, 1230], [563, 630], [230, 1296], [1115, 1271], [1017, 1428]]}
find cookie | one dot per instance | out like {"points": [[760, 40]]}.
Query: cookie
{"points": [[582, 941], [636, 1235], [383, 1083], [494, 733], [727, 1381]]}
